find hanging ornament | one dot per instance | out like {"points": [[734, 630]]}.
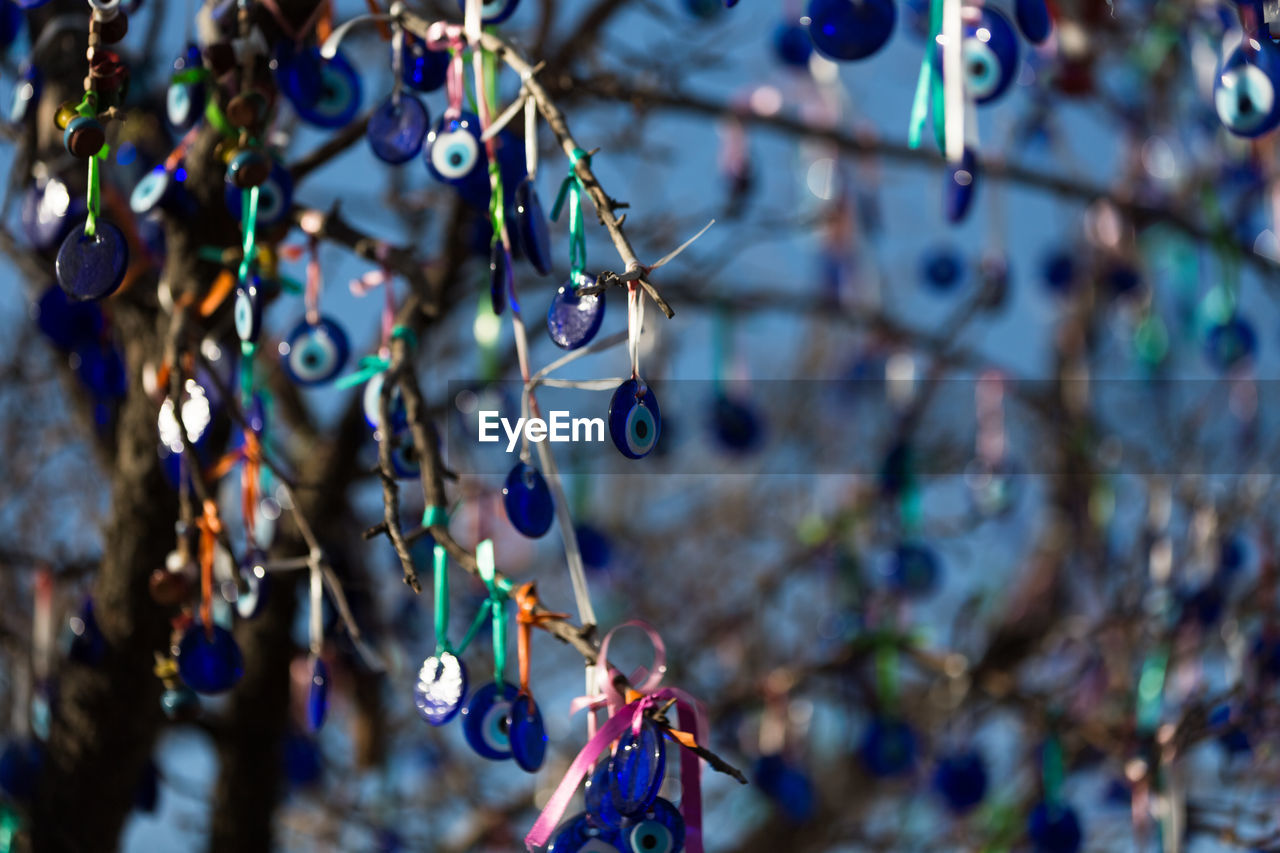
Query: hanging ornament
{"points": [[1054, 829], [531, 226], [397, 126], [275, 195], [1033, 19], [425, 70], [637, 769], [942, 269], [325, 93], [317, 694], [914, 570], [315, 354], [573, 318], [188, 94], [961, 779], [494, 11], [958, 190], [1244, 91], [486, 720], [1230, 343], [525, 729], [849, 30], [989, 53], [527, 500], [792, 45], [635, 420], [209, 659], [888, 747]]}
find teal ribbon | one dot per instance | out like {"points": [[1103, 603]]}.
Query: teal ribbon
{"points": [[440, 565], [572, 188], [370, 366], [248, 258], [497, 607], [929, 86], [1151, 690], [1052, 769]]}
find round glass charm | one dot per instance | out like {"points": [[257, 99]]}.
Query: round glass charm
{"points": [[318, 695], [247, 311], [455, 156], [579, 834], [1033, 19], [92, 267], [962, 180], [441, 687], [636, 769], [961, 779], [735, 424], [425, 70], [527, 500], [942, 269], [573, 319], [209, 663], [1054, 829], [1244, 92], [325, 93], [888, 747], [527, 735], [598, 799], [659, 830], [397, 128], [485, 721], [989, 55], [371, 402], [1230, 343], [850, 29], [913, 569], [314, 355], [634, 419], [531, 227]]}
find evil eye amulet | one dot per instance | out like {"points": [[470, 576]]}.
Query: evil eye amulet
{"points": [[636, 769], [913, 569], [486, 719], [579, 834], [1230, 343], [454, 154], [531, 227], [158, 190], [397, 128], [336, 98], [404, 458], [989, 56], [635, 420], [92, 267], [660, 829], [961, 779], [1054, 829], [425, 70], [574, 319], [526, 734], [527, 500], [209, 663], [494, 11], [314, 355], [318, 695], [850, 29], [888, 747], [248, 311], [942, 269], [440, 689], [275, 197], [1244, 92], [962, 179]]}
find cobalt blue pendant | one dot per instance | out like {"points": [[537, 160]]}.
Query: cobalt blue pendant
{"points": [[441, 687], [209, 664], [636, 769], [961, 779], [579, 835], [185, 101], [92, 267], [792, 45], [659, 830], [1054, 829], [397, 129], [485, 721], [1244, 92], [531, 227], [1058, 271], [180, 703], [594, 546], [913, 569], [527, 500], [253, 570], [314, 355], [573, 319], [989, 54], [331, 98], [20, 768], [888, 747], [424, 70], [88, 646], [303, 763], [455, 155], [527, 735], [404, 459], [789, 787], [1230, 343], [494, 11], [67, 323], [1033, 19], [372, 404], [247, 311], [499, 277], [275, 197], [942, 270], [962, 180], [317, 695], [634, 419], [735, 424], [850, 29], [598, 799]]}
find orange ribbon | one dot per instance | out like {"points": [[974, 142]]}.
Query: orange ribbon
{"points": [[250, 477], [210, 526], [528, 618]]}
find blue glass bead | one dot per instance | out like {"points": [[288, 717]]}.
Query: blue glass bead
{"points": [[958, 189], [317, 695], [635, 421], [146, 794], [26, 93], [500, 280], [579, 835], [251, 601], [455, 155], [735, 424], [637, 768], [441, 687], [961, 779], [180, 703], [494, 11], [101, 369], [531, 227], [303, 763], [49, 212], [1123, 279], [1054, 829], [330, 98], [209, 665], [1244, 91], [397, 129], [659, 830], [573, 319], [88, 646], [1203, 606], [850, 29], [1231, 735], [20, 768], [943, 269], [485, 721], [275, 197], [92, 267], [314, 355], [372, 404], [83, 137], [594, 546], [1033, 19], [792, 45], [10, 22], [888, 747], [598, 799], [1059, 271], [158, 190], [425, 70], [789, 787], [1233, 552], [527, 500], [989, 55], [67, 323], [914, 569], [1230, 343], [247, 311], [404, 458], [526, 734], [185, 101]]}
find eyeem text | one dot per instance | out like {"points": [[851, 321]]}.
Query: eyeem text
{"points": [[559, 427]]}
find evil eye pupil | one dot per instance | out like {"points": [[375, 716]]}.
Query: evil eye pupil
{"points": [[453, 154], [642, 432], [1246, 98], [981, 67], [335, 93], [496, 725], [246, 329], [268, 201], [314, 357], [649, 836], [148, 192]]}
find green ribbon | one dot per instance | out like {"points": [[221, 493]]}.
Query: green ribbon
{"points": [[187, 76], [1151, 690], [929, 85], [487, 569], [440, 564], [370, 366], [1052, 769], [887, 674], [247, 351], [497, 210], [572, 188], [249, 257], [410, 337], [217, 120]]}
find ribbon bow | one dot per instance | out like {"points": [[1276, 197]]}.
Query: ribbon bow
{"points": [[645, 695]]}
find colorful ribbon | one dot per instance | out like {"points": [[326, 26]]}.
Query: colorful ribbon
{"points": [[527, 618], [572, 188]]}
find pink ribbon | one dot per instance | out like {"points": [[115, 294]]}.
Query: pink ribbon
{"points": [[366, 284], [445, 36], [689, 711]]}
